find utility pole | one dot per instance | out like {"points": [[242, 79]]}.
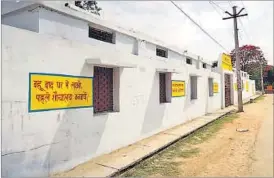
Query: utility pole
{"points": [[234, 16]]}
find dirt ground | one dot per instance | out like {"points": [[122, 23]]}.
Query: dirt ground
{"points": [[219, 150]]}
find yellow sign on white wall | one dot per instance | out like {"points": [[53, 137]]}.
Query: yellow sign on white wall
{"points": [[178, 88], [215, 87], [226, 62], [55, 91], [247, 86], [235, 87]]}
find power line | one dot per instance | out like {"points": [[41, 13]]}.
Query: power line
{"points": [[244, 6], [244, 29], [212, 4], [198, 25], [217, 6], [231, 4]]}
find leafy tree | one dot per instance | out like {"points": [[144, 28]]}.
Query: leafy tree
{"points": [[251, 59], [90, 6], [250, 56]]}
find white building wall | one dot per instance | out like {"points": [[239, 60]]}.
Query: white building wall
{"points": [[32, 142], [57, 24], [28, 20], [9, 6], [245, 94]]}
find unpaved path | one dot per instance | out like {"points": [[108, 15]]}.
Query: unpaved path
{"points": [[219, 150], [263, 150], [232, 153]]}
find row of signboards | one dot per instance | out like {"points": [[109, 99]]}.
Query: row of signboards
{"points": [[178, 88], [57, 91], [246, 86]]}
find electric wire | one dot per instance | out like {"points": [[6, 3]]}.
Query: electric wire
{"points": [[180, 9]]}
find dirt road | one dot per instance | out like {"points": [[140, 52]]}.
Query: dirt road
{"points": [[263, 150], [219, 150]]}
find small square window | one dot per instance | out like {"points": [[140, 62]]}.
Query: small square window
{"points": [[193, 87], [210, 86], [188, 61], [204, 65], [215, 64], [161, 52]]}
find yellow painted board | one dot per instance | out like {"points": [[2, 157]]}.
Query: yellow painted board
{"points": [[59, 91], [226, 62], [178, 88], [235, 87], [215, 87]]}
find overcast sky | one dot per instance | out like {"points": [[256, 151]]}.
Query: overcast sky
{"points": [[162, 20]]}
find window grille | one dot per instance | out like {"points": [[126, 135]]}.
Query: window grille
{"points": [[100, 35], [103, 89]]}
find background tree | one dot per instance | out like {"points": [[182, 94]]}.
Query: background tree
{"points": [[251, 59], [90, 6]]}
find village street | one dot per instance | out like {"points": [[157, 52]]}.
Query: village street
{"points": [[226, 152]]}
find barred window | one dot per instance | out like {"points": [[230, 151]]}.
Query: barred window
{"points": [[103, 89], [188, 61], [162, 86], [100, 35], [215, 64], [193, 85], [210, 86], [204, 65], [161, 52]]}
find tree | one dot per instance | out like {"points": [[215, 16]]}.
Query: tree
{"points": [[251, 61], [250, 56], [90, 6]]}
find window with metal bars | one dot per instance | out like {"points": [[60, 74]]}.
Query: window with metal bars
{"points": [[188, 61], [162, 87], [100, 35], [103, 89], [204, 65], [210, 86], [215, 64], [193, 87], [161, 52]]}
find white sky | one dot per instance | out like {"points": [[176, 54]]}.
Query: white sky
{"points": [[162, 20]]}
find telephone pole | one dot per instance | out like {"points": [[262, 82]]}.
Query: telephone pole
{"points": [[234, 16]]}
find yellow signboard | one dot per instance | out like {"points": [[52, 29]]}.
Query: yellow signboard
{"points": [[57, 91], [247, 86], [215, 87], [235, 87], [178, 88], [226, 62]]}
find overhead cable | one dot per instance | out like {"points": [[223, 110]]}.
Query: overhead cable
{"points": [[199, 26]]}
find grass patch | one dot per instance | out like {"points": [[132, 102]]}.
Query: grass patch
{"points": [[260, 98], [165, 164]]}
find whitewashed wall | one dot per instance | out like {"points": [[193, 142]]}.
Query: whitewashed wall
{"points": [[57, 24], [35, 144], [28, 20], [245, 94]]}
